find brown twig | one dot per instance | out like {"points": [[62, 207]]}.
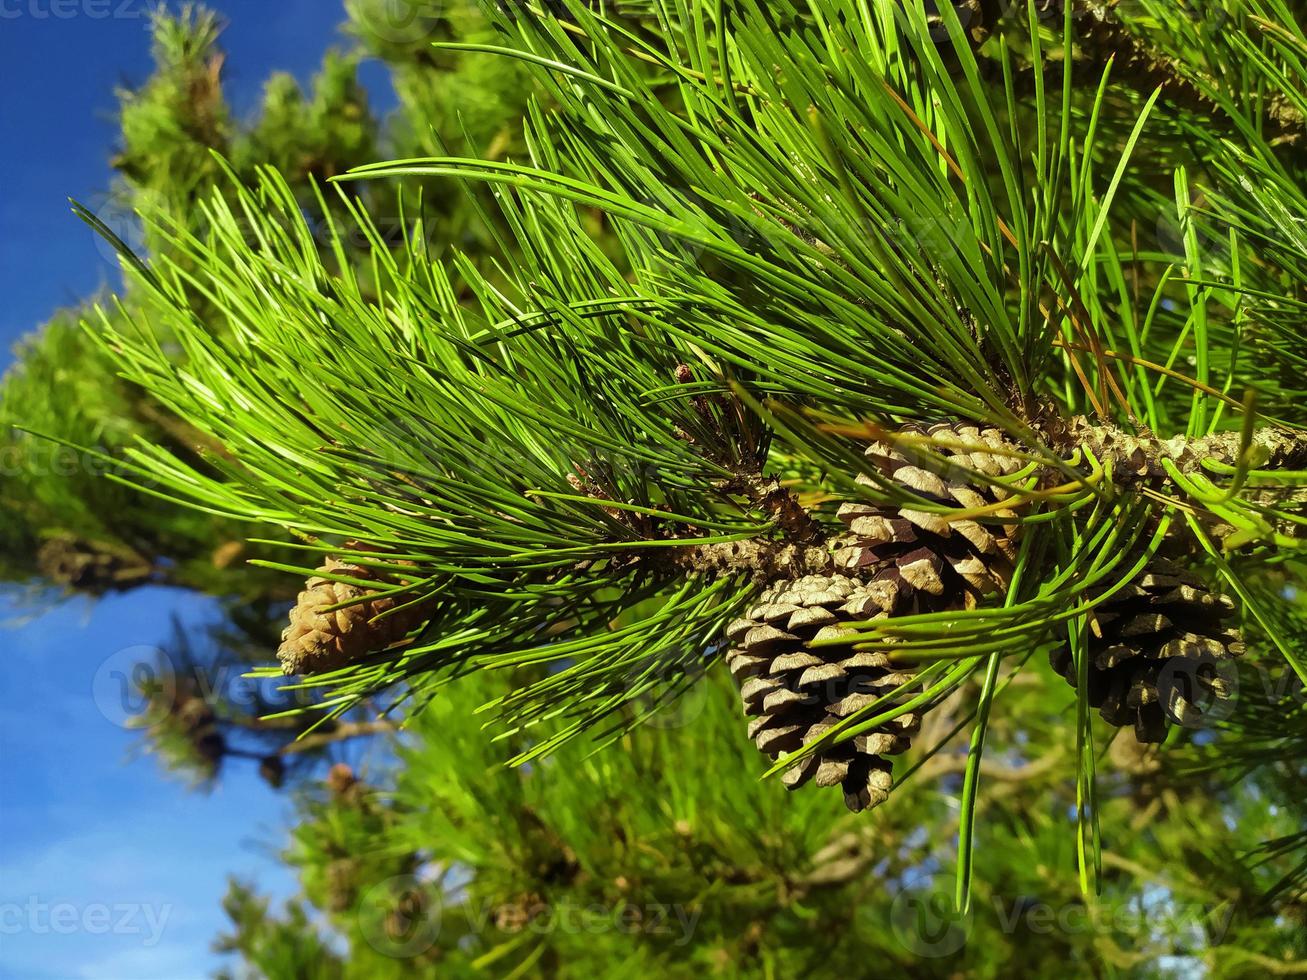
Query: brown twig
{"points": [[343, 730]]}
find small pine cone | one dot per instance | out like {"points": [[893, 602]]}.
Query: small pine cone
{"points": [[210, 746], [411, 907], [316, 641], [925, 561], [272, 770], [341, 779], [193, 712], [795, 693], [197, 719], [1164, 654]]}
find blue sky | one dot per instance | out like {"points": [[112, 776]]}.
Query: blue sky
{"points": [[92, 830], [58, 127], [106, 868]]}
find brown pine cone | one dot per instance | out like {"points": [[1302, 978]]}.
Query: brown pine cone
{"points": [[272, 770], [317, 641], [80, 564], [1163, 653], [898, 561], [795, 693]]}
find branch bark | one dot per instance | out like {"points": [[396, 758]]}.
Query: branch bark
{"points": [[343, 730], [803, 546]]}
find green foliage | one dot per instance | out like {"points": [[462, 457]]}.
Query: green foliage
{"points": [[445, 99], [65, 387], [316, 137], [658, 856], [272, 946], [170, 125], [55, 498]]}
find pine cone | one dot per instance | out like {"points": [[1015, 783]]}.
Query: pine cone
{"points": [[341, 779], [795, 694], [412, 906], [197, 720], [79, 564], [272, 770], [210, 746], [1158, 660], [316, 641], [927, 562], [898, 561]]}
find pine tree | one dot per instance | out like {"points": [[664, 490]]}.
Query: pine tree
{"points": [[840, 344]]}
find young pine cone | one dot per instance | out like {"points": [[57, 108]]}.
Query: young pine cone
{"points": [[318, 641]]}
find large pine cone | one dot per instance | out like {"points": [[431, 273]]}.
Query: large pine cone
{"points": [[926, 562], [317, 641], [795, 694], [899, 561], [1164, 654]]}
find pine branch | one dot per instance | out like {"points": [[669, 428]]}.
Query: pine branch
{"points": [[1134, 461], [340, 732], [1137, 458], [1101, 36], [847, 237], [762, 559]]}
